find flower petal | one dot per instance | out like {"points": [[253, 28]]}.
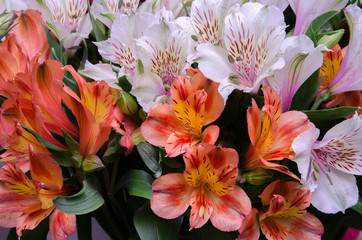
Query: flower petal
{"points": [[61, 225], [335, 192], [230, 209], [250, 229], [171, 195], [201, 208]]}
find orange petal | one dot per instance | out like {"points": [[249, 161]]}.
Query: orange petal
{"points": [[160, 124], [201, 208], [273, 229], [31, 217], [61, 225], [12, 205], [250, 229], [30, 34], [254, 122], [210, 134], [214, 104], [171, 195], [331, 63], [16, 180], [45, 169], [272, 102], [230, 209]]}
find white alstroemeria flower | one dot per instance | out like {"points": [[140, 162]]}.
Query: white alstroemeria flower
{"points": [[207, 19], [68, 19], [306, 11], [302, 59], [328, 166], [349, 75], [165, 57], [107, 10], [151, 50], [121, 47], [253, 36]]}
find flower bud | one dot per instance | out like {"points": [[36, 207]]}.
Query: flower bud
{"points": [[137, 136], [258, 176], [127, 103], [6, 19], [92, 163], [332, 38]]}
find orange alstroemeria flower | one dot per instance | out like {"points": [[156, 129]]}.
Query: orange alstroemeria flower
{"points": [[282, 215], [271, 138], [208, 185], [26, 202], [95, 110], [194, 104], [331, 64]]}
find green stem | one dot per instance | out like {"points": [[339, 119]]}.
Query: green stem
{"points": [[114, 174], [323, 96]]}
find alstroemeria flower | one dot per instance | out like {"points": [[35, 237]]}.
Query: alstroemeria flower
{"points": [[306, 11], [68, 19], [208, 185], [283, 215], [252, 40], [348, 77], [95, 110], [194, 104], [302, 59], [271, 137], [26, 202], [328, 166], [154, 6], [331, 63], [281, 4]]}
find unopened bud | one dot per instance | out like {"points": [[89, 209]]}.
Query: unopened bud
{"points": [[332, 38], [92, 163], [77, 160], [127, 103], [6, 20], [137, 136], [258, 176]]}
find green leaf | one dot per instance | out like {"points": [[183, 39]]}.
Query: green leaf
{"points": [[62, 156], [57, 51], [85, 201], [306, 93], [97, 31], [329, 114], [149, 155], [151, 227], [137, 182], [71, 143], [358, 207], [317, 23], [124, 83], [84, 227], [85, 55]]}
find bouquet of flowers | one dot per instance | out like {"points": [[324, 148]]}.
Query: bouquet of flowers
{"points": [[181, 119]]}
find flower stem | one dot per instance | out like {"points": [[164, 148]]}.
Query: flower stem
{"points": [[323, 96]]}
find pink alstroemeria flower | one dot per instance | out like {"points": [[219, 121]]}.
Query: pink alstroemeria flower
{"points": [[208, 185], [306, 11], [328, 166]]}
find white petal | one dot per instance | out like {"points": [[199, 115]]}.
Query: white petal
{"points": [[147, 88], [214, 64], [99, 72], [341, 146], [302, 146], [336, 197], [302, 59]]}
